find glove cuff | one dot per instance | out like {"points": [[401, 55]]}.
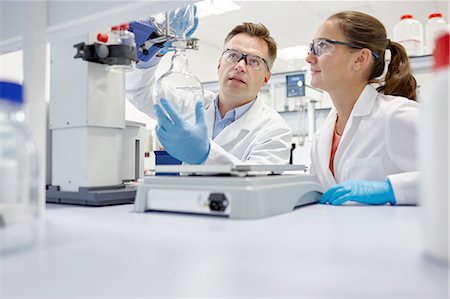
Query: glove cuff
{"points": [[203, 160], [390, 194]]}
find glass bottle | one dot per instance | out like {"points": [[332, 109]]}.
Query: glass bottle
{"points": [[179, 86], [18, 173]]}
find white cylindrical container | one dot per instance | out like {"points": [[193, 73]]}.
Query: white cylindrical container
{"points": [[409, 33], [435, 27], [433, 151], [18, 173]]}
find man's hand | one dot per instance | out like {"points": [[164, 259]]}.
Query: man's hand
{"points": [[185, 142]]}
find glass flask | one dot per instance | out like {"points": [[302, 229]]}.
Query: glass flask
{"points": [[179, 87], [18, 174]]}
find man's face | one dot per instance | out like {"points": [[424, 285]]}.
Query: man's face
{"points": [[239, 82]]}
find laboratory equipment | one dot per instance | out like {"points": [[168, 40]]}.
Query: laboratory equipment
{"points": [[87, 118], [409, 33], [435, 27], [18, 173], [237, 192], [433, 150], [87, 121], [178, 85]]}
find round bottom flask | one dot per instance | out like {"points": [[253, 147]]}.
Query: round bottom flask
{"points": [[179, 87]]}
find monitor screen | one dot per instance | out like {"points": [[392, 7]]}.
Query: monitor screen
{"points": [[295, 85]]}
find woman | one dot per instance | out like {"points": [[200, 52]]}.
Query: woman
{"points": [[366, 148]]}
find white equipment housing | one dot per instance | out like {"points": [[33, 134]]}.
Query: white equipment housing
{"points": [[237, 192], [87, 123]]}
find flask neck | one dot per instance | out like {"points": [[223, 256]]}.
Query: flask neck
{"points": [[179, 61]]}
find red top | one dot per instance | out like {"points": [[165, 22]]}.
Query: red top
{"points": [[435, 15], [102, 37], [406, 17], [442, 52]]}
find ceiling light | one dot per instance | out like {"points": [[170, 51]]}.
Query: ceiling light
{"points": [[291, 53], [215, 7]]}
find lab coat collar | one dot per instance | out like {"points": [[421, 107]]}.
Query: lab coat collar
{"points": [[365, 102]]}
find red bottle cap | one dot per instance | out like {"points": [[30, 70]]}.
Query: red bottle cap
{"points": [[115, 28], [102, 37], [406, 17], [442, 52], [435, 15], [125, 26]]}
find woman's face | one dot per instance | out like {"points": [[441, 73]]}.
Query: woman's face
{"points": [[331, 70]]}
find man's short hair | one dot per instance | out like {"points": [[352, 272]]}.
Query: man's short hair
{"points": [[259, 31]]}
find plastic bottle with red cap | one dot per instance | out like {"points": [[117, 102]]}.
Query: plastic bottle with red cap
{"points": [[435, 27], [434, 156], [409, 33]]}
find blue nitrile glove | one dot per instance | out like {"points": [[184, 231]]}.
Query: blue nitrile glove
{"points": [[145, 29], [179, 22], [185, 142], [367, 192]]}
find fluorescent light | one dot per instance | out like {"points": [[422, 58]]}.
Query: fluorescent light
{"points": [[215, 7], [291, 53]]}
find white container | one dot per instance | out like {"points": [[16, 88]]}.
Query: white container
{"points": [[409, 33], [435, 27], [433, 153]]}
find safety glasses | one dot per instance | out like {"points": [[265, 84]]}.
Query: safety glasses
{"points": [[253, 61], [321, 46]]}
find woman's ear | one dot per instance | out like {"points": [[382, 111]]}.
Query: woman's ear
{"points": [[362, 61]]}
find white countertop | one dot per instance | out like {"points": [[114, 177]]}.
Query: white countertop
{"points": [[315, 251]]}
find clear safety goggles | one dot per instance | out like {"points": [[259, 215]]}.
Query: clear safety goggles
{"points": [[321, 46], [253, 61]]}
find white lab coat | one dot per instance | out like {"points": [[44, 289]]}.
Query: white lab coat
{"points": [[259, 136], [379, 141]]}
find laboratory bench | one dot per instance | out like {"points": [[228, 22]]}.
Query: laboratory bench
{"points": [[316, 251]]}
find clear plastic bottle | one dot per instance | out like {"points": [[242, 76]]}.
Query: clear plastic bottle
{"points": [[114, 36], [435, 27], [434, 158], [409, 33], [126, 36], [18, 173], [179, 86]]}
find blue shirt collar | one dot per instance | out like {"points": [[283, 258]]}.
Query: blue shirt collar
{"points": [[233, 114]]}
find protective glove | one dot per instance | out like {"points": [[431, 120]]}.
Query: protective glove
{"points": [[366, 192], [146, 29], [143, 31], [185, 142]]}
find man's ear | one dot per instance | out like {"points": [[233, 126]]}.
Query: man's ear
{"points": [[266, 78]]}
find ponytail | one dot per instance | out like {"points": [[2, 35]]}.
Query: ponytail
{"points": [[399, 80]]}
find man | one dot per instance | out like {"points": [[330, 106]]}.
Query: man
{"points": [[233, 127]]}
